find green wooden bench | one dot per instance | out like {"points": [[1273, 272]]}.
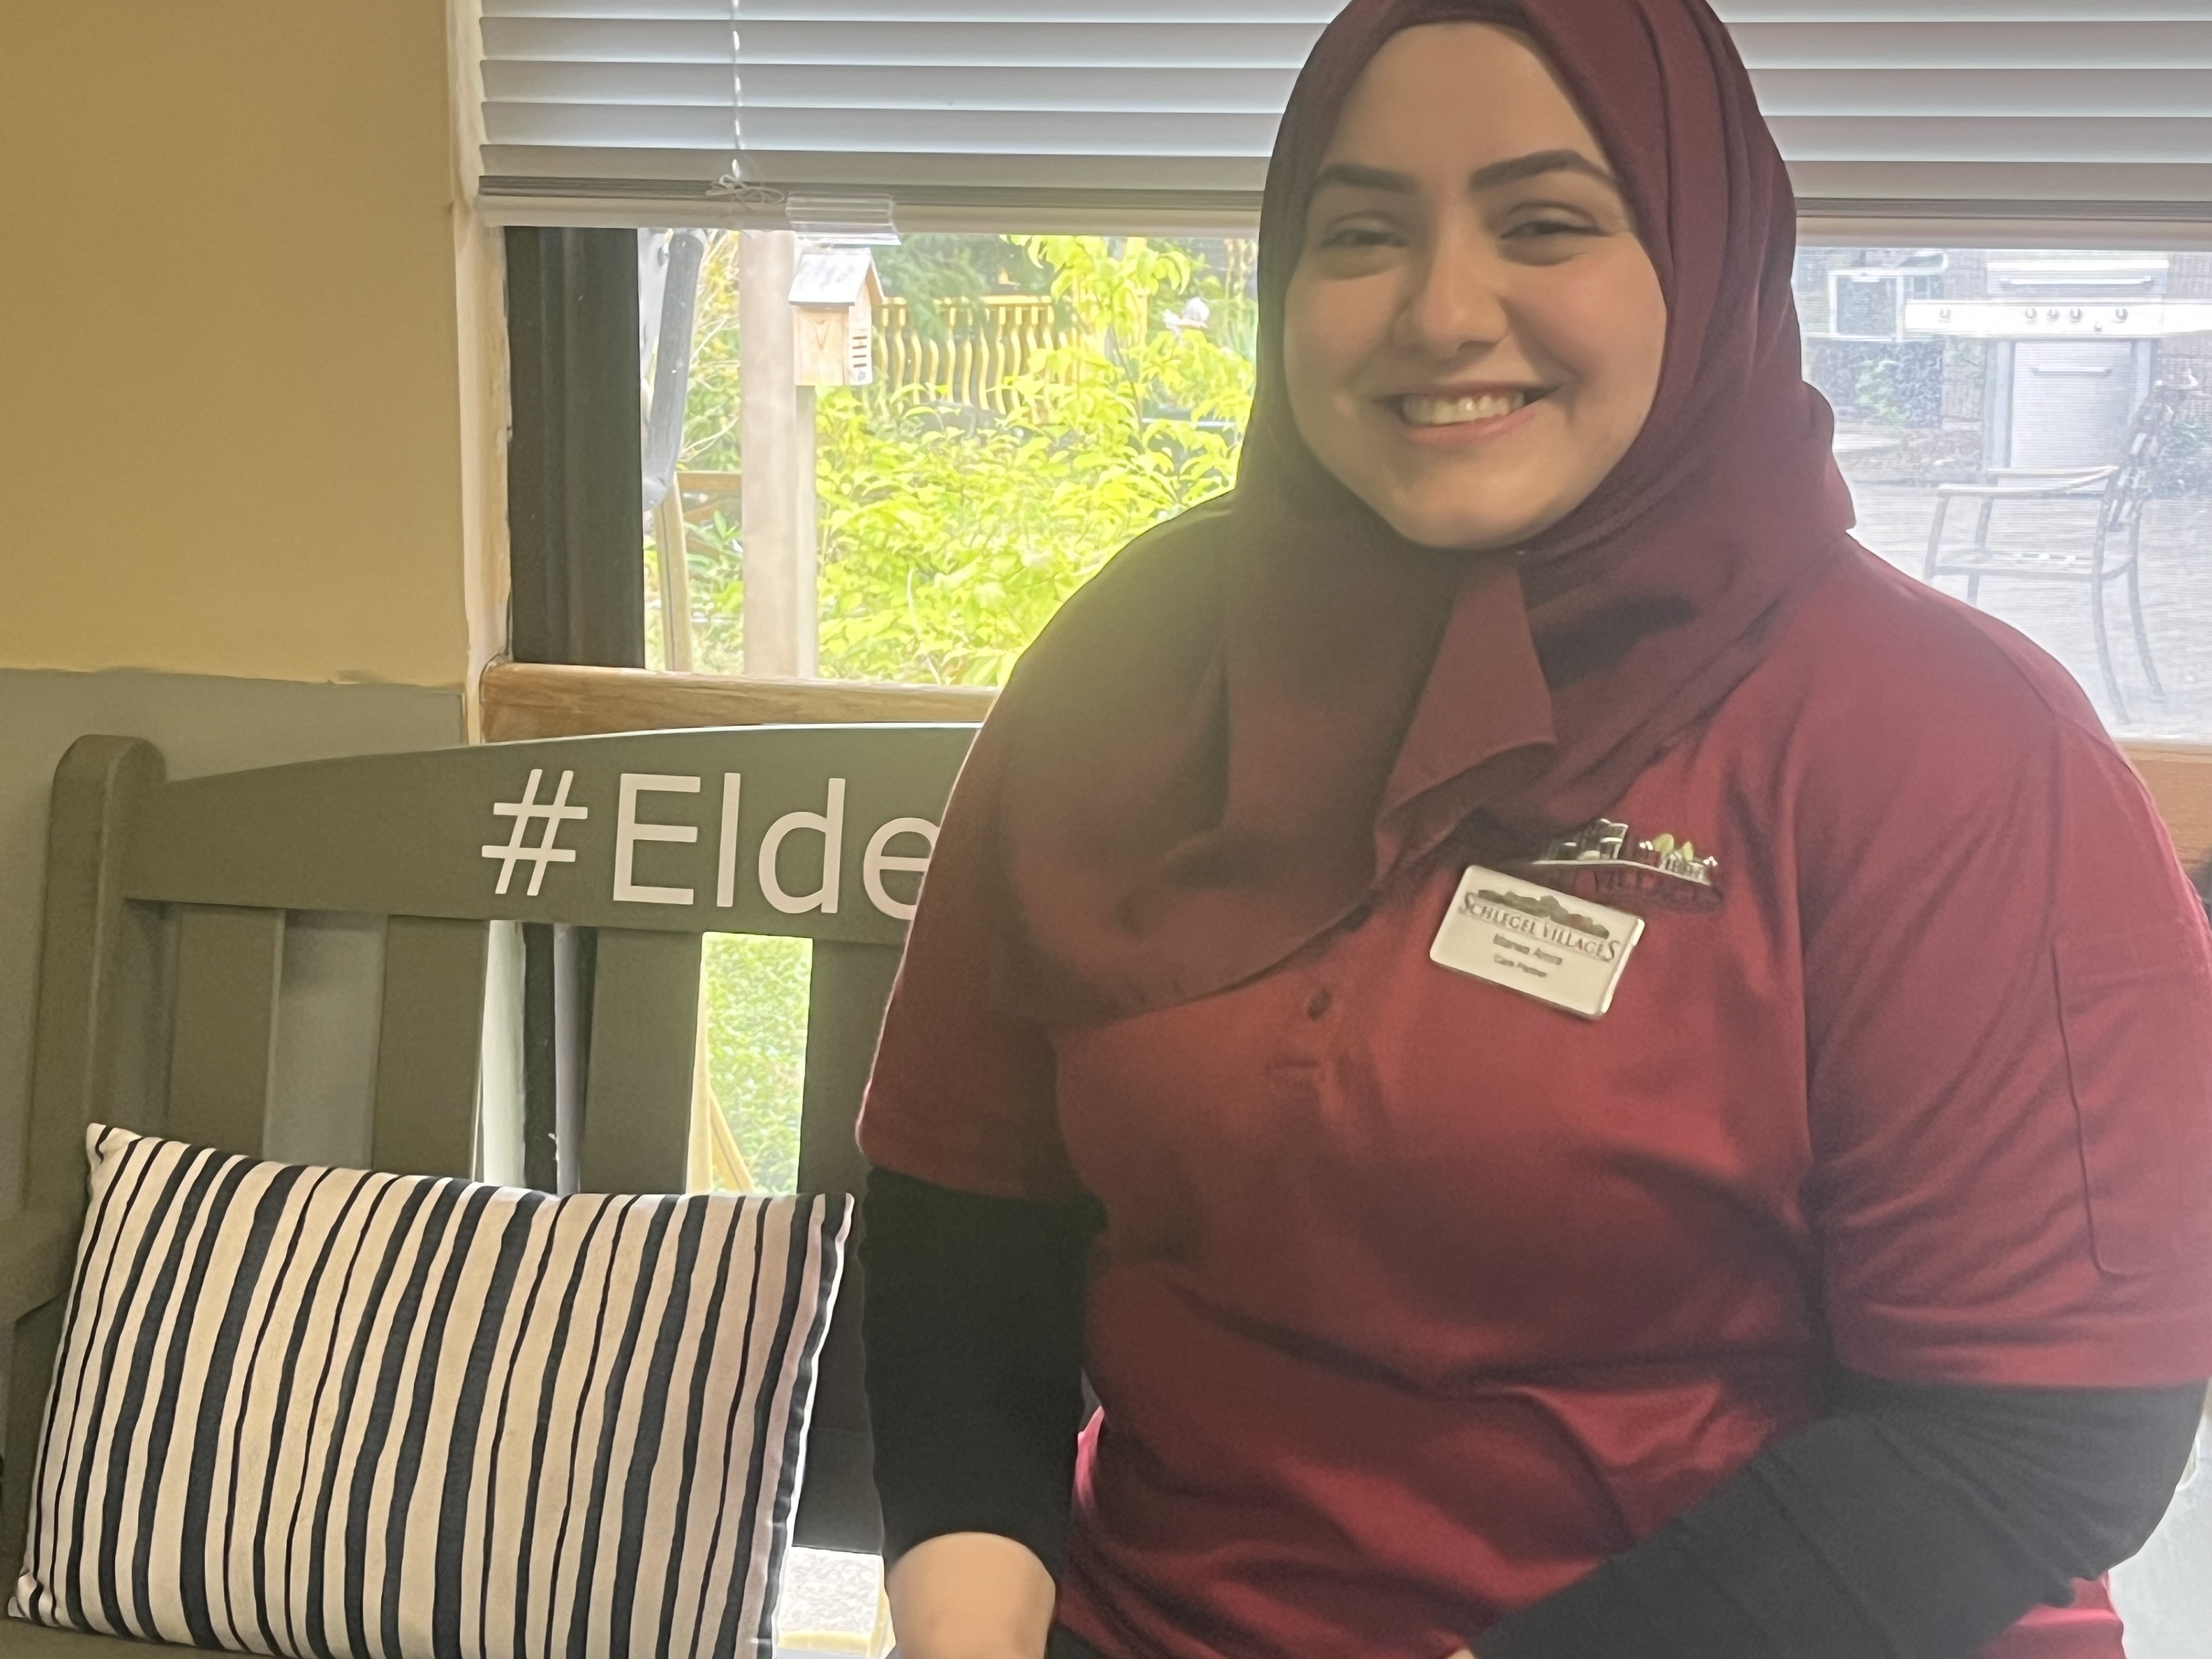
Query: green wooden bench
{"points": [[161, 959]]}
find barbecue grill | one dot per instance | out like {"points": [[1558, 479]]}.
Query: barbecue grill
{"points": [[2074, 344]]}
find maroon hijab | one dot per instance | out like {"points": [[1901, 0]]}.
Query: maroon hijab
{"points": [[1261, 711]]}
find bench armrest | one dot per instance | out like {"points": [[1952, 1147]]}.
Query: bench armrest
{"points": [[37, 1249]]}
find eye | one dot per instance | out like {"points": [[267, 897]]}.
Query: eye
{"points": [[1357, 236], [1549, 224]]}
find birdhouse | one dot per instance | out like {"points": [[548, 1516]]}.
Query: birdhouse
{"points": [[834, 296]]}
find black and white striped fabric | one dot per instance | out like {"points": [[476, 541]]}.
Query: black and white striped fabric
{"points": [[322, 1412]]}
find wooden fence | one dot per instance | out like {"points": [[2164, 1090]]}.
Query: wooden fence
{"points": [[980, 345]]}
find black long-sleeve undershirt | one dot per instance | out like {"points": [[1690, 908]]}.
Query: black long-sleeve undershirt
{"points": [[1910, 1521], [974, 1327]]}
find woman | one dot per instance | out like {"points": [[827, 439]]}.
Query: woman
{"points": [[1641, 1081]]}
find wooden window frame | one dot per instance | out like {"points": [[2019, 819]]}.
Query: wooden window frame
{"points": [[531, 700], [524, 701], [2179, 778]]}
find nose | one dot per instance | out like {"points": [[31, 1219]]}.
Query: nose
{"points": [[1456, 307]]}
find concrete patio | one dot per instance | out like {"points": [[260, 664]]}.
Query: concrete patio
{"points": [[2177, 578]]}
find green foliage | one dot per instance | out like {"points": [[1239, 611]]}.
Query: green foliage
{"points": [[757, 1047], [710, 445], [1879, 399], [718, 594], [710, 411], [949, 537], [925, 269], [2185, 464]]}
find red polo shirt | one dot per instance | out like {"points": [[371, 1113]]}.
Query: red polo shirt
{"points": [[1418, 1298]]}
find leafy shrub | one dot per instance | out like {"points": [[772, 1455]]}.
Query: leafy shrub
{"points": [[2184, 467], [757, 1047], [949, 537]]}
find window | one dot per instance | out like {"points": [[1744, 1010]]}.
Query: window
{"points": [[1025, 406], [2029, 429], [832, 1602], [2032, 431]]}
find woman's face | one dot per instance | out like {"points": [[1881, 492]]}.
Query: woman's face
{"points": [[1475, 334]]}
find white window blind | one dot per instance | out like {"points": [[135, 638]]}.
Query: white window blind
{"points": [[1038, 112]]}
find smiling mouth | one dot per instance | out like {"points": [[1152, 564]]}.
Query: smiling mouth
{"points": [[1416, 409]]}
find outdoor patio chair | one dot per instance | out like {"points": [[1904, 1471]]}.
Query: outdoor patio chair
{"points": [[2121, 491]]}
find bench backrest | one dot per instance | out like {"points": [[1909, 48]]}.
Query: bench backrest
{"points": [[161, 963]]}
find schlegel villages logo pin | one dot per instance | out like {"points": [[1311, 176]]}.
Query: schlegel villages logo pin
{"points": [[1604, 861]]}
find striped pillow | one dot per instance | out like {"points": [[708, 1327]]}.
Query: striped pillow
{"points": [[318, 1412]]}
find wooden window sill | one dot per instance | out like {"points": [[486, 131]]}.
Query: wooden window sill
{"points": [[528, 700], [2179, 777], [522, 700]]}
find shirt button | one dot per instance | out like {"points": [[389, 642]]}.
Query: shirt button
{"points": [[1318, 1004]]}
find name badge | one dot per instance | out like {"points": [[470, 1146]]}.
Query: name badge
{"points": [[1558, 949]]}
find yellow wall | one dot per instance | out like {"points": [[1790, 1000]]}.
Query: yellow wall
{"points": [[230, 398]]}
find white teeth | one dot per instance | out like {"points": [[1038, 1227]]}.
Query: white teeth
{"points": [[1457, 411]]}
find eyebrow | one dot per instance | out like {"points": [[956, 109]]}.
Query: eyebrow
{"points": [[1357, 176]]}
